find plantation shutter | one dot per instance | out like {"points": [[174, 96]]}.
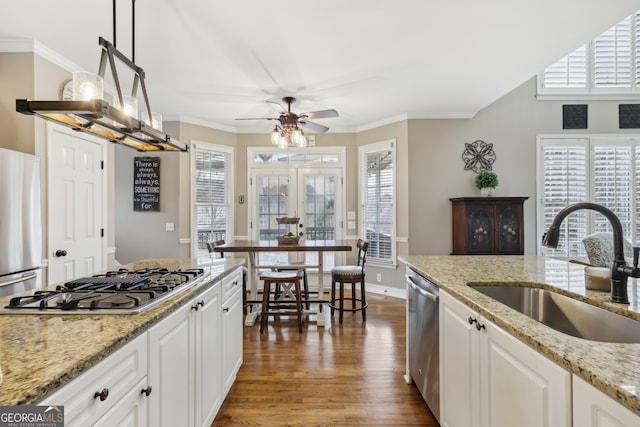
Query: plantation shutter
{"points": [[612, 56], [377, 191], [613, 183], [564, 172], [211, 194], [569, 72]]}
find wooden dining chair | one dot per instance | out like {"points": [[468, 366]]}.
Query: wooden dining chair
{"points": [[350, 274]]}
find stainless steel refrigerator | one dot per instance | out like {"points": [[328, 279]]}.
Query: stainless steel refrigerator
{"points": [[20, 222]]}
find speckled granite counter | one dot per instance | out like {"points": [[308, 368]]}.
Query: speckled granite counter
{"points": [[40, 353], [612, 368]]}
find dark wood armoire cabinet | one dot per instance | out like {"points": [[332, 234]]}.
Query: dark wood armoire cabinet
{"points": [[488, 225]]}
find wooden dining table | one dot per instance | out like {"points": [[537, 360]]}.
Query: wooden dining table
{"points": [[254, 247]]}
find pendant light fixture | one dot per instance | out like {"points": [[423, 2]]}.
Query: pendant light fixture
{"points": [[89, 112]]}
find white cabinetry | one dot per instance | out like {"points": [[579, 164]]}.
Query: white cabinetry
{"points": [[175, 374], [490, 379], [184, 364], [113, 386], [232, 329], [592, 408]]}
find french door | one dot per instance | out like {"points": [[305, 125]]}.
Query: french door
{"points": [[313, 194]]}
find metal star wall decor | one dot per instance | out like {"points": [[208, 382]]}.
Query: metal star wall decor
{"points": [[478, 156]]}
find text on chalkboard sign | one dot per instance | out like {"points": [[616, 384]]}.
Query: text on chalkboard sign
{"points": [[146, 184]]}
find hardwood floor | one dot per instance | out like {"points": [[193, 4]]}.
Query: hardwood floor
{"points": [[337, 375]]}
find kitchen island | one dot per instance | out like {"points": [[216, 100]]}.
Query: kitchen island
{"points": [[40, 353], [613, 369]]}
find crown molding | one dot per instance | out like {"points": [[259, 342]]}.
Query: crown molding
{"points": [[200, 122], [37, 48]]}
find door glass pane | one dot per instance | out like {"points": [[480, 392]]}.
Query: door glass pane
{"points": [[273, 202], [320, 214]]}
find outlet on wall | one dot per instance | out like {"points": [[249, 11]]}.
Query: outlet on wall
{"points": [[379, 277]]}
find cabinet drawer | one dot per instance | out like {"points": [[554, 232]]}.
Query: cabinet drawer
{"points": [[118, 373], [231, 284]]}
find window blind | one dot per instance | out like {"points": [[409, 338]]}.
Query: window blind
{"points": [[570, 71], [377, 177], [600, 170], [612, 59], [610, 64], [565, 183], [613, 185], [211, 183]]}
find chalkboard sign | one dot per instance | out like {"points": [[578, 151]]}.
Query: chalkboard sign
{"points": [[146, 184]]}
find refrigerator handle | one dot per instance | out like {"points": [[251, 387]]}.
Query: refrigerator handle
{"points": [[20, 279]]}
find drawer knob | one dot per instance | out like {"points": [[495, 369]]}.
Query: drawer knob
{"points": [[146, 391], [101, 394]]}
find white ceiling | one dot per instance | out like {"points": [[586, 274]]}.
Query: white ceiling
{"points": [[211, 61]]}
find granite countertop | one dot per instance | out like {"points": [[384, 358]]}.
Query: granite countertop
{"points": [[41, 352], [612, 368]]}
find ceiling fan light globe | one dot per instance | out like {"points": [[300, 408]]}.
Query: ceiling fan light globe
{"points": [[296, 136], [302, 142], [275, 137], [283, 142]]}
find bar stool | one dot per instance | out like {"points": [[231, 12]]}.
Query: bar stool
{"points": [[295, 266], [278, 305], [350, 274]]}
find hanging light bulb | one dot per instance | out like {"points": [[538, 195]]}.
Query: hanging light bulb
{"points": [[275, 136], [284, 142], [302, 142], [296, 136]]}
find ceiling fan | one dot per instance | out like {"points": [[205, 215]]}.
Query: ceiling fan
{"points": [[287, 131]]}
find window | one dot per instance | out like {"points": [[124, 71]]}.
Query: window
{"points": [[609, 64], [603, 170], [377, 200], [212, 191]]}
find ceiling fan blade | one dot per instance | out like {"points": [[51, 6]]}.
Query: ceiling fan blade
{"points": [[316, 127], [277, 106], [320, 114], [258, 118]]}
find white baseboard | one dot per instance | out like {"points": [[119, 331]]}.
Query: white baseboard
{"points": [[386, 290]]}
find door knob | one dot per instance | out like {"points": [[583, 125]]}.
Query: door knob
{"points": [[61, 252]]}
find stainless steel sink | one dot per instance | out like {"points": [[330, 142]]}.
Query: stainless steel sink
{"points": [[565, 314]]}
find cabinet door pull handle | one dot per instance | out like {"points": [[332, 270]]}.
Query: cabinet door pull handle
{"points": [[146, 391], [471, 320], [226, 309], [479, 326], [101, 394], [201, 303]]}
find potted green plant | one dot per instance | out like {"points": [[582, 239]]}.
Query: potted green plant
{"points": [[487, 181]]}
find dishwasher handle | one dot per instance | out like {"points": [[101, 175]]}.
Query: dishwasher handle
{"points": [[433, 297]]}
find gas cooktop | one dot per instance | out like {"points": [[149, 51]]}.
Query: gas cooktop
{"points": [[114, 292]]}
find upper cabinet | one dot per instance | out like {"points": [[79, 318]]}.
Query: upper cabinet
{"points": [[488, 225]]}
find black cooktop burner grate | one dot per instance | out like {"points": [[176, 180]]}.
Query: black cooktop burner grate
{"points": [[105, 283], [118, 291]]}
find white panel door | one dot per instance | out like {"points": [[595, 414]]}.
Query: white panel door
{"points": [[75, 174]]}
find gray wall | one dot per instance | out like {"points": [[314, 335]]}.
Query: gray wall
{"points": [[436, 169]]}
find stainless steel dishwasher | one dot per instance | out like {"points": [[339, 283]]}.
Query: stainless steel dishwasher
{"points": [[423, 334]]}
